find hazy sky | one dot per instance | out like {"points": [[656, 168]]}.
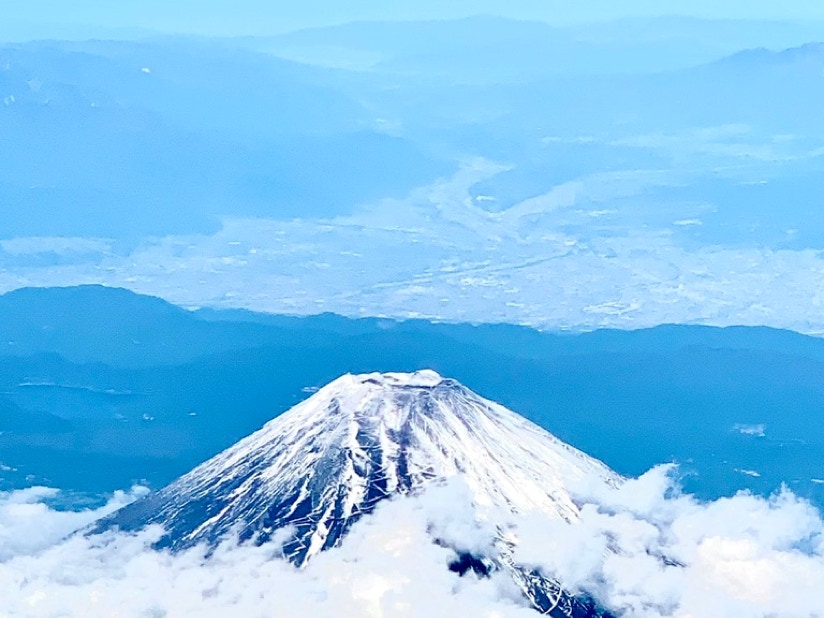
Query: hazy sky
{"points": [[227, 17]]}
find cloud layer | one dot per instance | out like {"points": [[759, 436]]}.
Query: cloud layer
{"points": [[644, 550]]}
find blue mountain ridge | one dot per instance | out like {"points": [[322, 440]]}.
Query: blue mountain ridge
{"points": [[104, 388]]}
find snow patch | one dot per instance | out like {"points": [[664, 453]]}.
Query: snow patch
{"points": [[758, 431]]}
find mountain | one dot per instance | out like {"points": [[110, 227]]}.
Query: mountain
{"points": [[807, 56], [140, 330], [361, 440], [15, 419], [123, 140], [175, 135], [521, 48], [90, 410], [117, 327]]}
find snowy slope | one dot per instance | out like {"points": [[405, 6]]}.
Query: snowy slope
{"points": [[361, 439]]}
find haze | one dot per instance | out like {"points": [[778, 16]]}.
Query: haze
{"points": [[255, 17], [210, 210]]}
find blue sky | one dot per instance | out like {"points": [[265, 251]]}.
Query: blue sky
{"points": [[222, 17]]}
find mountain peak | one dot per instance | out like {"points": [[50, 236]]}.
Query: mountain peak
{"points": [[426, 378], [359, 440], [373, 384], [356, 441]]}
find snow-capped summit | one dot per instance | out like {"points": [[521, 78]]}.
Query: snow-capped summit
{"points": [[361, 439], [425, 377]]}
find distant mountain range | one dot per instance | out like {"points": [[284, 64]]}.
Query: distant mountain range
{"points": [[513, 47], [131, 139], [477, 161], [100, 387], [809, 56]]}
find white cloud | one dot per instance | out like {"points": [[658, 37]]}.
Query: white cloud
{"points": [[742, 556], [389, 566], [28, 525]]}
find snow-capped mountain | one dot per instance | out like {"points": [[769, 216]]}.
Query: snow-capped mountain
{"points": [[359, 440]]}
